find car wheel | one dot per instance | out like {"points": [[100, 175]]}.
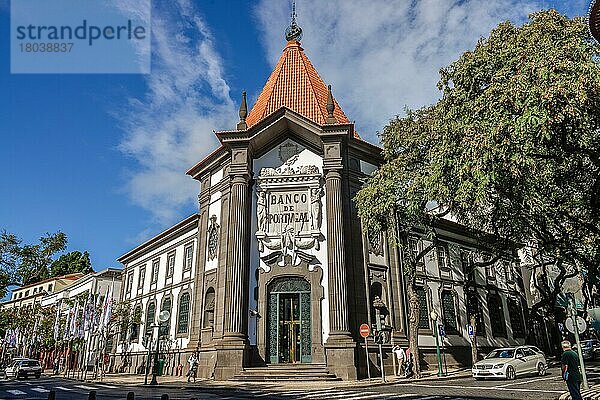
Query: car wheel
{"points": [[541, 369], [510, 373]]}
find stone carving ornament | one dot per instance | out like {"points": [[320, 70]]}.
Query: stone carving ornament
{"points": [[375, 240], [213, 238], [261, 210], [288, 239]]}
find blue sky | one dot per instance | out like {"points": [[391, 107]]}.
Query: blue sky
{"points": [[102, 157]]}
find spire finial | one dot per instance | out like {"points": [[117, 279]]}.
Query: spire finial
{"points": [[293, 32], [330, 107], [243, 114]]}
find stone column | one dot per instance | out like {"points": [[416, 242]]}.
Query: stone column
{"points": [[197, 307], [340, 347], [338, 297], [237, 259], [231, 349]]}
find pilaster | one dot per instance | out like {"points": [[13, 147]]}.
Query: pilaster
{"points": [[340, 348], [232, 347]]}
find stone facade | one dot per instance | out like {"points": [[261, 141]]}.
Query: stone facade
{"points": [[282, 271]]}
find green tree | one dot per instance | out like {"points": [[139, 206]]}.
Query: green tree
{"points": [[8, 245], [34, 260], [74, 261], [511, 148]]}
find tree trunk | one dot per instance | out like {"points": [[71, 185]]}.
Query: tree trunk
{"points": [[413, 327], [474, 356]]}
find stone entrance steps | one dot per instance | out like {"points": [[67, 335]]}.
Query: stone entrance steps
{"points": [[286, 372]]}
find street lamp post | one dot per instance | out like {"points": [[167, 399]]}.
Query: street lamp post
{"points": [[155, 366], [162, 317], [434, 316]]}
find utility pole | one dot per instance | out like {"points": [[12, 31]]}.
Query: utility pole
{"points": [[576, 332]]}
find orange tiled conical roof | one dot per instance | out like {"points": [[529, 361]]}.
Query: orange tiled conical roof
{"points": [[295, 84]]}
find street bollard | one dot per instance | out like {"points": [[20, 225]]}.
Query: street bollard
{"points": [[130, 396], [52, 395], [164, 397], [92, 395]]}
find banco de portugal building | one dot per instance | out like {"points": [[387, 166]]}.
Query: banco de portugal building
{"points": [[275, 269]]}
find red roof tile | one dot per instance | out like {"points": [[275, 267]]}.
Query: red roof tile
{"points": [[295, 84]]}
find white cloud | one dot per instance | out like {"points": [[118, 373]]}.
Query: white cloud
{"points": [[382, 55], [171, 127]]}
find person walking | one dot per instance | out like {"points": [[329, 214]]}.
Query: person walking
{"points": [[570, 370], [193, 361], [400, 357]]}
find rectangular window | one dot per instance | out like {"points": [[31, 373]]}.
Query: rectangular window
{"points": [[142, 278], [26, 293], [449, 310], [49, 287], [442, 257], [155, 269], [509, 271], [189, 255], [415, 249], [424, 308], [129, 282], [497, 317], [170, 264], [516, 318]]}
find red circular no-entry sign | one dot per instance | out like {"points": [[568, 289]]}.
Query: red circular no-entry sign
{"points": [[364, 330]]}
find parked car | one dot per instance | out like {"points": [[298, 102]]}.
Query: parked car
{"points": [[23, 368], [510, 362], [590, 349]]}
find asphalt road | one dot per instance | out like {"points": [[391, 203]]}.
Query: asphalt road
{"points": [[466, 388]]}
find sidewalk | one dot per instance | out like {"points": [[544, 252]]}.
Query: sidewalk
{"points": [[593, 393], [138, 380]]}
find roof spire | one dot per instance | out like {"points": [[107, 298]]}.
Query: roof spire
{"points": [[330, 107], [293, 32], [243, 114]]}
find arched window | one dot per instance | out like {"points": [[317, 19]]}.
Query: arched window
{"points": [[150, 314], [209, 308], [165, 327], [475, 309], [376, 291], [424, 307], [497, 315], [136, 320], [449, 311], [184, 313]]}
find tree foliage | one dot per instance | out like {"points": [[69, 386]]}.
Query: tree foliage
{"points": [[72, 262], [23, 264], [511, 148]]}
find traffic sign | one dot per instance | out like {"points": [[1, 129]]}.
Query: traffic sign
{"points": [[441, 330], [581, 325], [365, 330], [471, 331]]}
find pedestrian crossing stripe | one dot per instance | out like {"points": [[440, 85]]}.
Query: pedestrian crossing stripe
{"points": [[39, 389], [86, 387], [16, 392], [330, 394], [62, 388]]}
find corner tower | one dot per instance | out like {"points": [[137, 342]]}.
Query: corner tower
{"points": [[283, 262]]}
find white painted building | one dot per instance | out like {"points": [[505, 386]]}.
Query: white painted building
{"points": [[159, 276]]}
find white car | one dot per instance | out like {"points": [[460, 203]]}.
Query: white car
{"points": [[510, 362], [23, 368]]}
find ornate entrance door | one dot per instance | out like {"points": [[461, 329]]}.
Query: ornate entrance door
{"points": [[289, 325]]}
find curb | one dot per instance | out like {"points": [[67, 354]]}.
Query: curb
{"points": [[592, 393]]}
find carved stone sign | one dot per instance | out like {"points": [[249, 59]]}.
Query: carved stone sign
{"points": [[288, 210]]}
